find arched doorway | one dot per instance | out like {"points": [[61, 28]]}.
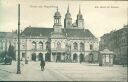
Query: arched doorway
{"points": [[90, 58], [81, 58], [75, 57], [58, 57], [47, 57], [33, 56], [40, 56]]}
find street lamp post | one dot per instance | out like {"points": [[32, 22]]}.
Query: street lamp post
{"points": [[18, 61]]}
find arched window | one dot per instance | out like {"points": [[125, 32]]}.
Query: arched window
{"points": [[75, 46], [58, 45], [68, 47], [41, 45], [81, 46], [34, 45], [47, 45]]}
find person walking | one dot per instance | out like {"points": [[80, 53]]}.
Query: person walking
{"points": [[42, 64]]}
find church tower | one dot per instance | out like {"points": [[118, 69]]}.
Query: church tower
{"points": [[57, 21], [80, 20], [68, 19]]}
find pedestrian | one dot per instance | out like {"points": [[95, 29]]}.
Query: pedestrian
{"points": [[42, 64]]}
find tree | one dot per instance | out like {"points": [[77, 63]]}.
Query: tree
{"points": [[11, 52], [3, 54]]}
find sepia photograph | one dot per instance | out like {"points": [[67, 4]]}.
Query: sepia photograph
{"points": [[64, 40]]}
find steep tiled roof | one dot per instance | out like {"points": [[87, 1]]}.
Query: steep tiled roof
{"points": [[79, 33], [34, 31], [2, 34]]}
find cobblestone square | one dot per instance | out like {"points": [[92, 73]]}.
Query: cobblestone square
{"points": [[63, 72]]}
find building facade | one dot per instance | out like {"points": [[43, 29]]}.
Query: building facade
{"points": [[117, 41], [73, 43], [6, 38]]}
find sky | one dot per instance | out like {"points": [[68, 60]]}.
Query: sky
{"points": [[100, 17]]}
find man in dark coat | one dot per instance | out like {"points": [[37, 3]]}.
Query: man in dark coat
{"points": [[42, 64]]}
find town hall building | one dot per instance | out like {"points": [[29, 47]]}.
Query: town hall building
{"points": [[71, 43]]}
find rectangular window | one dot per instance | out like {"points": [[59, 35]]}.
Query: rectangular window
{"points": [[23, 46], [107, 58], [91, 47], [23, 55]]}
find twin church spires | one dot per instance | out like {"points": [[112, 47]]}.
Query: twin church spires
{"points": [[68, 19], [79, 23]]}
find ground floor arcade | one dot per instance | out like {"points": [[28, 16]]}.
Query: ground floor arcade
{"points": [[74, 57], [64, 57], [60, 56]]}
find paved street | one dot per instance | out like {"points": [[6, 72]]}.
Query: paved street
{"points": [[63, 72]]}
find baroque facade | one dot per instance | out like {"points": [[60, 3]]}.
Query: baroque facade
{"points": [[117, 41], [73, 43]]}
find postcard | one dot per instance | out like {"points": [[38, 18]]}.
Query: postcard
{"points": [[63, 40]]}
